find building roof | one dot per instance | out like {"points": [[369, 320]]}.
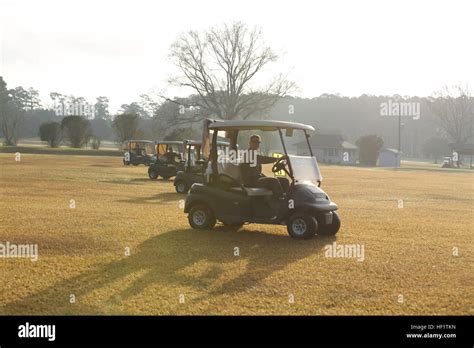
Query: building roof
{"points": [[348, 145], [463, 149], [329, 141], [394, 151]]}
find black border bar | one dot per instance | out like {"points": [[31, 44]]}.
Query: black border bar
{"points": [[326, 330]]}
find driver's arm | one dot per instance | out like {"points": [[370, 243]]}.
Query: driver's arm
{"points": [[266, 159]]}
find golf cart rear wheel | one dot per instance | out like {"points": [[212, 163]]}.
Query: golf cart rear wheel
{"points": [[330, 230], [201, 217], [181, 187], [152, 174], [302, 226]]}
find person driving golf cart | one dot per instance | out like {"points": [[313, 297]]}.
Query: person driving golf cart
{"points": [[171, 156], [252, 175]]}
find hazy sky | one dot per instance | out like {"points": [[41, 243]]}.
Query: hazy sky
{"points": [[120, 48]]}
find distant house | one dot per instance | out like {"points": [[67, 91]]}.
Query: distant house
{"points": [[330, 148], [389, 158]]}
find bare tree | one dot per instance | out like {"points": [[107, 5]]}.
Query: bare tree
{"points": [[220, 64], [454, 108]]}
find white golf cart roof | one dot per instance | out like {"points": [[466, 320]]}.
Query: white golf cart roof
{"points": [[139, 141], [169, 142], [199, 142], [263, 125]]}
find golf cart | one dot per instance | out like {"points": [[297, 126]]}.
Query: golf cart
{"points": [[168, 159], [449, 162], [304, 208], [194, 167], [138, 152]]}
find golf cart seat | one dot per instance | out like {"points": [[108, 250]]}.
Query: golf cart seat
{"points": [[234, 171], [230, 169]]}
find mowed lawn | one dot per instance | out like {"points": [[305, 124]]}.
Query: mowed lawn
{"points": [[409, 267]]}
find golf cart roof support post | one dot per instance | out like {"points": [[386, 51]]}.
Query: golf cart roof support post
{"points": [[233, 140], [214, 156], [286, 154], [187, 154], [307, 141]]}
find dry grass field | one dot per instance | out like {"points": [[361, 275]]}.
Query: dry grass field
{"points": [[409, 267]]}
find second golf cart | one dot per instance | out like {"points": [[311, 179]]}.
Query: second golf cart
{"points": [[304, 208], [168, 159], [138, 152], [194, 167]]}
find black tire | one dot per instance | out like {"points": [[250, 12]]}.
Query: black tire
{"points": [[135, 164], [126, 163], [330, 230], [181, 186], [201, 217], [152, 173], [302, 226]]}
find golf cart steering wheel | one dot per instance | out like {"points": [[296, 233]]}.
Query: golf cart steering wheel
{"points": [[281, 164]]}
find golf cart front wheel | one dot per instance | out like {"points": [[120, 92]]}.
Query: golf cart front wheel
{"points": [[331, 229], [302, 226], [152, 174], [181, 187], [201, 217]]}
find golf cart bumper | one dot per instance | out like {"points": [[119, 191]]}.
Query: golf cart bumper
{"points": [[318, 208], [323, 212]]}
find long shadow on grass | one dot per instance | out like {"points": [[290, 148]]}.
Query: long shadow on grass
{"points": [[159, 198], [135, 181], [171, 260]]}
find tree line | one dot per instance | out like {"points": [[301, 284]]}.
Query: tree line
{"points": [[218, 67]]}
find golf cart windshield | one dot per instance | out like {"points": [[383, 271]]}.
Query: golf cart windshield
{"points": [[163, 147], [276, 139], [305, 169], [303, 164], [192, 153], [149, 148], [144, 147]]}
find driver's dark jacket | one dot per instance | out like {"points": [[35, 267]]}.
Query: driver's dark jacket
{"points": [[250, 175], [171, 157]]}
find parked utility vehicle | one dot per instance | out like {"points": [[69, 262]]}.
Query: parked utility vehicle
{"points": [[194, 166], [138, 152], [168, 159]]}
